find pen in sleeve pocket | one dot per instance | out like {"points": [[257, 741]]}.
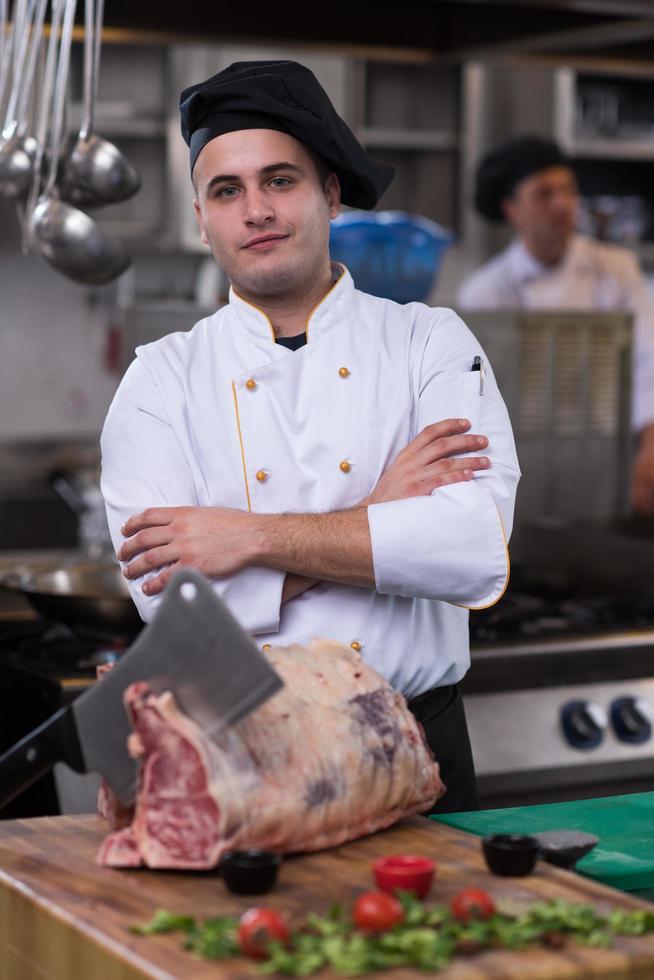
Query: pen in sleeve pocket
{"points": [[478, 365]]}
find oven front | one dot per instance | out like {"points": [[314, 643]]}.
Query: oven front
{"points": [[562, 719]]}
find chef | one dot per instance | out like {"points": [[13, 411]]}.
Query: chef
{"points": [[337, 464], [528, 183]]}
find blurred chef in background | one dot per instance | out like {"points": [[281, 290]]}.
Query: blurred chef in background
{"points": [[528, 183]]}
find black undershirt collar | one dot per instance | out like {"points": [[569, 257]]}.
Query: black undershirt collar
{"points": [[293, 343]]}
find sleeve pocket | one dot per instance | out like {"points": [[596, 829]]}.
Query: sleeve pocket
{"points": [[471, 401]]}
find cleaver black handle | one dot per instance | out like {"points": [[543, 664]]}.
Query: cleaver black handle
{"points": [[54, 741]]}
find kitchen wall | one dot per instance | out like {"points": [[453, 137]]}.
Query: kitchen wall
{"points": [[56, 374], [63, 349]]}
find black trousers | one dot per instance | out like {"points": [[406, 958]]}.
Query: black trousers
{"points": [[440, 712]]}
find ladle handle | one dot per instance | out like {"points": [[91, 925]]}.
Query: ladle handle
{"points": [[20, 35], [60, 93], [5, 49], [28, 75], [89, 75], [44, 111], [92, 43]]}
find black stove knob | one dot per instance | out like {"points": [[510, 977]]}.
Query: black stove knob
{"points": [[631, 719], [583, 723]]}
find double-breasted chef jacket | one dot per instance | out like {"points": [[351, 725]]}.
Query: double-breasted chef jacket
{"points": [[591, 275], [223, 416]]}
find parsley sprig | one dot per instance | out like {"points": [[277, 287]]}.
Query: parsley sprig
{"points": [[428, 938]]}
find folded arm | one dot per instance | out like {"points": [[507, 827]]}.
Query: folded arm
{"points": [[452, 545], [142, 462], [435, 525], [309, 547]]}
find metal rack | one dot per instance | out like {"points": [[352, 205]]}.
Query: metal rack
{"points": [[566, 380]]}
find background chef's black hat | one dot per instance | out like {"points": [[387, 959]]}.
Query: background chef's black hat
{"points": [[285, 96], [501, 170]]}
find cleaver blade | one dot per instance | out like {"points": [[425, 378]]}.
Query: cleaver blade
{"points": [[194, 647]]}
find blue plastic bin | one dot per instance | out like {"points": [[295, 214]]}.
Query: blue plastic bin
{"points": [[390, 253]]}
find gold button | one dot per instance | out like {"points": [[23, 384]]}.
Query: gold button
{"points": [[262, 475], [343, 372], [356, 645], [250, 384], [344, 466], [266, 647]]}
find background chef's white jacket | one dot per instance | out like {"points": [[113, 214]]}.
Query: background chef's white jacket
{"points": [[591, 276], [199, 415]]}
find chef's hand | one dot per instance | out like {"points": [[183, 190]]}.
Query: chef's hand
{"points": [[215, 540], [430, 461], [642, 477]]}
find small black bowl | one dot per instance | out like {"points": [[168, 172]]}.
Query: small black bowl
{"points": [[565, 847], [250, 872], [510, 854]]}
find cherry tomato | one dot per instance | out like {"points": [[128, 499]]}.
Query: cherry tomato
{"points": [[257, 927], [377, 912], [472, 903]]}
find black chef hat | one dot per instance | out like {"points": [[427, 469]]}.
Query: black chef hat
{"points": [[285, 96], [501, 170]]}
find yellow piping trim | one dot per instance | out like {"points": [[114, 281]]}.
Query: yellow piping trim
{"points": [[240, 439], [259, 310], [508, 573], [306, 329], [331, 289]]}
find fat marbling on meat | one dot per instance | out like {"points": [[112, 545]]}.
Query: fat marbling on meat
{"points": [[335, 755]]}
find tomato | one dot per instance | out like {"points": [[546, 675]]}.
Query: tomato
{"points": [[377, 912], [472, 903], [258, 927]]}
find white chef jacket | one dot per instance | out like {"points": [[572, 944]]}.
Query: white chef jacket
{"points": [[591, 276], [224, 416]]}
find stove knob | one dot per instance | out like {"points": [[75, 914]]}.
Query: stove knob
{"points": [[631, 719], [583, 723]]}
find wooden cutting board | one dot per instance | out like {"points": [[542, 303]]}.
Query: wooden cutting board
{"points": [[62, 917]]}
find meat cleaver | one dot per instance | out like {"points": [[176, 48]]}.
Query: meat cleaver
{"points": [[193, 647]]}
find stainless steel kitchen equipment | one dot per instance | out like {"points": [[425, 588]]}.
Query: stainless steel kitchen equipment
{"points": [[18, 147], [560, 694], [80, 489], [64, 235], [193, 648], [89, 597], [43, 120], [95, 171], [43, 666], [566, 379], [6, 46]]}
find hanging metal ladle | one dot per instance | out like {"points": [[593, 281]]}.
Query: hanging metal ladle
{"points": [[13, 36], [95, 172], [6, 47], [44, 118], [66, 237], [17, 148]]}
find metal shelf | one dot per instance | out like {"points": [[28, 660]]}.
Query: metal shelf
{"points": [[407, 139], [612, 149]]}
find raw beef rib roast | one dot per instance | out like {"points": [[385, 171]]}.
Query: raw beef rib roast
{"points": [[336, 754]]}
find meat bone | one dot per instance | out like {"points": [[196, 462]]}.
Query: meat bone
{"points": [[194, 648]]}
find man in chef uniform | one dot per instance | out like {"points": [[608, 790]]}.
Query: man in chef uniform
{"points": [[335, 463], [528, 183]]}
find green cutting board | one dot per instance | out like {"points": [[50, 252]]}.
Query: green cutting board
{"points": [[624, 856]]}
